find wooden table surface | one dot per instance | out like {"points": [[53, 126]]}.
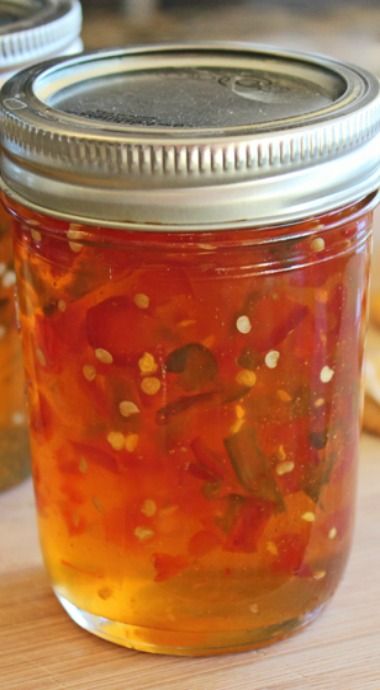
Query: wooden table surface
{"points": [[41, 649]]}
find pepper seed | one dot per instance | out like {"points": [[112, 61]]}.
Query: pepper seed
{"points": [[116, 440], [131, 442], [128, 408], [147, 364], [149, 508], [326, 374], [285, 468], [143, 533], [141, 300], [151, 385], [308, 517], [318, 244], [243, 324], [271, 359], [103, 356], [246, 378], [89, 372]]}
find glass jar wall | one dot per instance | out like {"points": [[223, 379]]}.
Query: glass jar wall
{"points": [[195, 422]]}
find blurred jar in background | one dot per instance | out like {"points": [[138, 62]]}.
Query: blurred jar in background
{"points": [[371, 413], [30, 31], [375, 279]]}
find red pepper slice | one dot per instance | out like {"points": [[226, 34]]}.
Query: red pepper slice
{"points": [[168, 566], [272, 321], [203, 542], [249, 525], [95, 456], [120, 327], [291, 550], [208, 465], [56, 253]]}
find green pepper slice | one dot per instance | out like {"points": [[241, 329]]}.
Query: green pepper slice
{"points": [[251, 467]]}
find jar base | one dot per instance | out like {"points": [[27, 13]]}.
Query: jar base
{"points": [[160, 641]]}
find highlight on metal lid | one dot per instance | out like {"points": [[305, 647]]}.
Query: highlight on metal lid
{"points": [[33, 30], [202, 135]]}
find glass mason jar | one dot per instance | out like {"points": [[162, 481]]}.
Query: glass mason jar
{"points": [[192, 236], [31, 30]]}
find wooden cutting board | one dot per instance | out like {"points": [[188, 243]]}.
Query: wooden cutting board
{"points": [[41, 649]]}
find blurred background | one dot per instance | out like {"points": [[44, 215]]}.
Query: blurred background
{"points": [[347, 29]]}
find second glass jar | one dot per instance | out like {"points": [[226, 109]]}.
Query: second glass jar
{"points": [[30, 32]]}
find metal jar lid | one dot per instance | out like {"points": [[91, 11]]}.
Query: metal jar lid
{"points": [[33, 30], [199, 136]]}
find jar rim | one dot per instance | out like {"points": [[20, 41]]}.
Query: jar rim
{"points": [[366, 204]]}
